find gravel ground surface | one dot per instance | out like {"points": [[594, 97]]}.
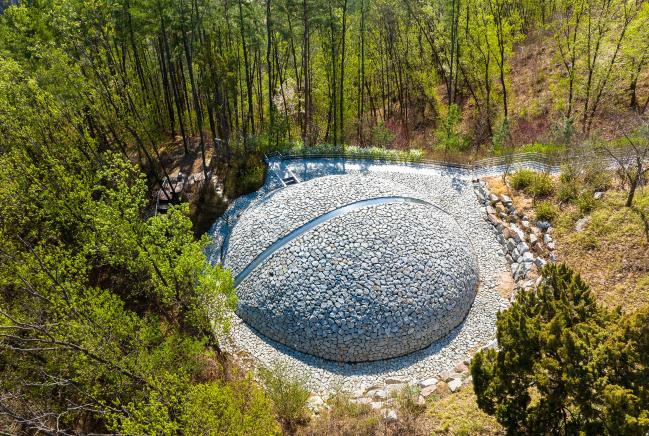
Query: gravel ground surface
{"points": [[452, 191]]}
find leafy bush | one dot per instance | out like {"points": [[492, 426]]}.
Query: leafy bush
{"points": [[448, 136], [568, 184], [567, 192], [501, 137], [354, 152], [238, 408], [413, 155], [578, 184], [532, 183], [542, 186], [568, 174], [381, 136], [563, 130], [587, 240], [542, 148], [545, 211], [585, 203], [288, 394], [596, 177], [522, 179]]}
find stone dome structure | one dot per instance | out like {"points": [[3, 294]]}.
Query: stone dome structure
{"points": [[351, 268]]}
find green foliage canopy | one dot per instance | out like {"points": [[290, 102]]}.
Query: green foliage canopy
{"points": [[105, 315], [565, 364]]}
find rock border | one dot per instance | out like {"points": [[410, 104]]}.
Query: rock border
{"points": [[454, 192], [526, 244]]}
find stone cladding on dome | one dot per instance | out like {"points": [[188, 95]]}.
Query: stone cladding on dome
{"points": [[379, 280]]}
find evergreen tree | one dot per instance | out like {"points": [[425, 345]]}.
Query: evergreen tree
{"points": [[565, 365]]}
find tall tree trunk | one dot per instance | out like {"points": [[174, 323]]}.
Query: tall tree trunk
{"points": [[306, 73], [260, 90], [361, 78], [341, 111], [197, 104], [250, 119], [591, 65], [601, 84], [166, 88], [333, 101], [632, 188], [269, 71], [383, 80], [136, 54], [174, 83], [298, 76]]}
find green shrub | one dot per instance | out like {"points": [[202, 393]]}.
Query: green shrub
{"points": [[414, 155], [541, 148], [501, 137], [567, 192], [542, 186], [563, 131], [585, 203], [381, 136], [448, 136], [522, 179], [587, 240], [545, 211], [288, 394], [546, 337], [568, 174], [532, 183], [568, 184], [579, 184], [354, 152], [235, 408]]}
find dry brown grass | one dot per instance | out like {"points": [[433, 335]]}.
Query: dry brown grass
{"points": [[611, 253], [343, 417], [445, 413], [522, 202], [458, 414]]}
